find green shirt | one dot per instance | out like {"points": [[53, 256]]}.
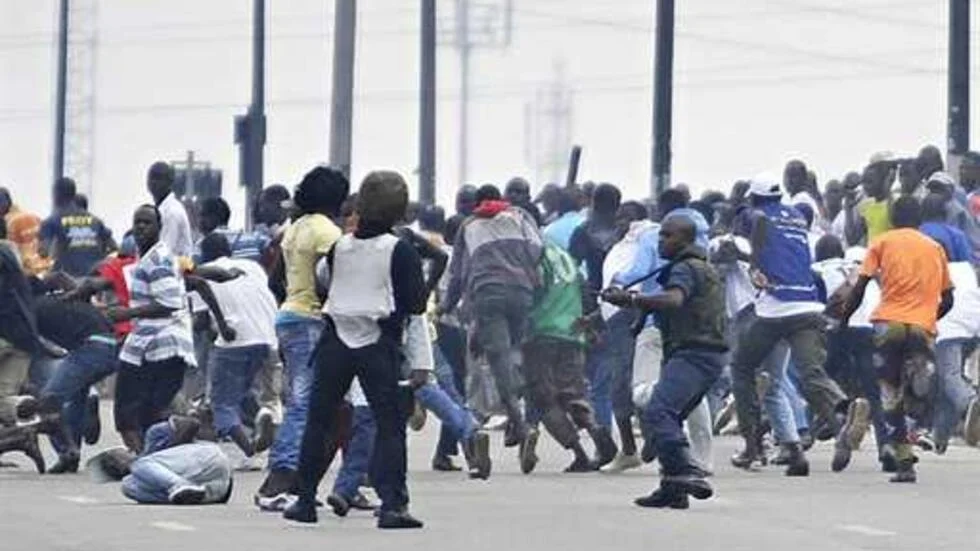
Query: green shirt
{"points": [[558, 302]]}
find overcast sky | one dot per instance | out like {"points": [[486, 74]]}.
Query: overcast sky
{"points": [[757, 83]]}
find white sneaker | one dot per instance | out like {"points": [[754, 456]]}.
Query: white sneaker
{"points": [[276, 504], [250, 464], [622, 463], [187, 495]]}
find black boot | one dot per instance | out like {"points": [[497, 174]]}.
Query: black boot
{"points": [[753, 453], [682, 474], [796, 463], [67, 463], [528, 454], [605, 446], [339, 505], [302, 510], [477, 452], [664, 497], [397, 520], [905, 474]]}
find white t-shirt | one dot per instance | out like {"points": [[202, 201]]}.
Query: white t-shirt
{"points": [[835, 272], [619, 259], [739, 292], [175, 230], [248, 305], [962, 322]]}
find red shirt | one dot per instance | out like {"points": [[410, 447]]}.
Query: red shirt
{"points": [[114, 270]]}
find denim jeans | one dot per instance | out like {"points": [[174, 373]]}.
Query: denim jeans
{"points": [[231, 371], [599, 373], [684, 380], [851, 352], [446, 376], [69, 383], [953, 392], [777, 400], [357, 454], [297, 341], [454, 417], [620, 348]]}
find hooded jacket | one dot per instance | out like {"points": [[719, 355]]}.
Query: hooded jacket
{"points": [[498, 245]]}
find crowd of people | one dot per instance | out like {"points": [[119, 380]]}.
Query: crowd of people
{"points": [[780, 311]]}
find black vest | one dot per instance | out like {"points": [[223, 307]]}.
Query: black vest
{"points": [[701, 322]]}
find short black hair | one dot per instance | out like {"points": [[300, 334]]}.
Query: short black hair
{"points": [[828, 246], [323, 190], [382, 199], [275, 193], [567, 200], [217, 208], [214, 246], [671, 200], [934, 207], [606, 198], [488, 192], [155, 211], [906, 212], [64, 188], [706, 210], [432, 218], [161, 171], [633, 210]]}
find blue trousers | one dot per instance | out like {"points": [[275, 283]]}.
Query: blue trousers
{"points": [[232, 370], [297, 341], [69, 384]]}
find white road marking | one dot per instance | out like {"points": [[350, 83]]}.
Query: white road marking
{"points": [[866, 530], [82, 500], [173, 526]]}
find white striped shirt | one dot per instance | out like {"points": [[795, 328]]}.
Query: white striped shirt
{"points": [[157, 279]]}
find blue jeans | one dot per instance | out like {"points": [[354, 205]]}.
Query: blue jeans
{"points": [[447, 381], [684, 380], [620, 346], [232, 370], [598, 370], [777, 400], [69, 383], [953, 393], [297, 341], [454, 417], [357, 454]]}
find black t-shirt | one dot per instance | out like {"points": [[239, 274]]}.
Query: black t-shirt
{"points": [[69, 323], [80, 240]]}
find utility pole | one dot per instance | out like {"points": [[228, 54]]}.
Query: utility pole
{"points": [[959, 82], [250, 129], [662, 97], [479, 24], [79, 148], [342, 95], [61, 94], [427, 105]]}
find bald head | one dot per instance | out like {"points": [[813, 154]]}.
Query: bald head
{"points": [[676, 234]]}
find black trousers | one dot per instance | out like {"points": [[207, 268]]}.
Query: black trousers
{"points": [[378, 369], [144, 393]]}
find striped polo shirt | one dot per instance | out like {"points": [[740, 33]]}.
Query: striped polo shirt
{"points": [[157, 279]]}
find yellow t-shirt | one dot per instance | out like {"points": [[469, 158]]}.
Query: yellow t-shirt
{"points": [[875, 214], [304, 242]]}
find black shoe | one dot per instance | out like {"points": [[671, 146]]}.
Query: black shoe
{"points": [[747, 458], [188, 495], [444, 464], [889, 463], [265, 431], [662, 498], [527, 455], [905, 474], [842, 456], [339, 505], [690, 484], [67, 463], [27, 407], [93, 423], [396, 520], [361, 503], [582, 465], [301, 510], [477, 451], [796, 462], [605, 446]]}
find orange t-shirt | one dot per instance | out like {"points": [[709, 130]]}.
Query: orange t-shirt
{"points": [[912, 272]]}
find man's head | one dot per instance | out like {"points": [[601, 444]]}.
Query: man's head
{"points": [[909, 179], [712, 197], [676, 234], [833, 197], [518, 191], [739, 190], [671, 200], [942, 184], [64, 193], [466, 200], [146, 227], [269, 207], [906, 213], [929, 161], [6, 201], [323, 191], [432, 218], [605, 201], [763, 189], [549, 197], [214, 214], [934, 208], [828, 246], [382, 199], [878, 179], [160, 180], [566, 200], [214, 246], [629, 212], [586, 191], [487, 192], [795, 177]]}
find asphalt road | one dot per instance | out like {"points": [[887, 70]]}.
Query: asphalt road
{"points": [[857, 509]]}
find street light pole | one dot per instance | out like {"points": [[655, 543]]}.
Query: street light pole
{"points": [[959, 80], [662, 97], [61, 91], [427, 106], [342, 95]]}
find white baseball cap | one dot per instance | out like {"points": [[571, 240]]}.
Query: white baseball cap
{"points": [[764, 185]]}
